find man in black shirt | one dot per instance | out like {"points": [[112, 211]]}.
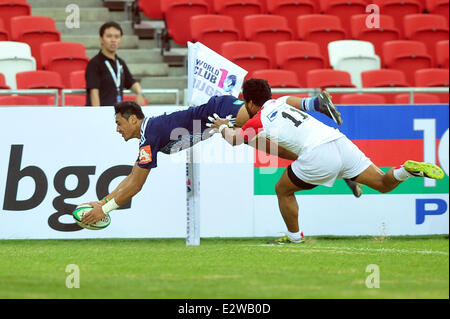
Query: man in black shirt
{"points": [[107, 75]]}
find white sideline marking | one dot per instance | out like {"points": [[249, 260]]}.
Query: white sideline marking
{"points": [[387, 250]]}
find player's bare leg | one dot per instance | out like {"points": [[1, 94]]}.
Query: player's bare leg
{"points": [[288, 205], [385, 182]]}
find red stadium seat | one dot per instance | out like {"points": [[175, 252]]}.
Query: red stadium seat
{"points": [[438, 7], [64, 58], [177, 14], [433, 77], [4, 34], [442, 54], [18, 100], [407, 56], [344, 9], [251, 56], [77, 80], [34, 31], [321, 29], [75, 100], [40, 80], [213, 30], [418, 98], [151, 8], [291, 9], [238, 10], [384, 78], [300, 57], [13, 8], [362, 99], [398, 9], [278, 79], [3, 85], [267, 29], [327, 78], [387, 31], [427, 28]]}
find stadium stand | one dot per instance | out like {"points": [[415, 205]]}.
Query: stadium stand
{"points": [[353, 56], [4, 35], [384, 78], [3, 85], [15, 57], [251, 56], [365, 99], [213, 30], [426, 28], [321, 29], [300, 57], [402, 23], [291, 9], [63, 58], [177, 15], [327, 78], [442, 54], [267, 29], [13, 8], [40, 80], [438, 7], [387, 30], [238, 10], [344, 9], [398, 9], [407, 56], [14, 100], [34, 31]]}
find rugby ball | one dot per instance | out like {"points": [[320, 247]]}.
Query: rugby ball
{"points": [[80, 211]]}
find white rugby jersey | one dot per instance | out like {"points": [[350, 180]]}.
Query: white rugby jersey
{"points": [[291, 128]]}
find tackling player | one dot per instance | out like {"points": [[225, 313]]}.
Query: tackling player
{"points": [[324, 153], [170, 133]]}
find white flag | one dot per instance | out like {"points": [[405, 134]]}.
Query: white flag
{"points": [[210, 74]]}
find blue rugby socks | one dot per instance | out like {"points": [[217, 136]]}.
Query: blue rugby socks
{"points": [[310, 104]]}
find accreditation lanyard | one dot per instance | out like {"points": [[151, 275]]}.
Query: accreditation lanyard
{"points": [[116, 77]]}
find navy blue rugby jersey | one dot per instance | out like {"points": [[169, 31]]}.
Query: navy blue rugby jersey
{"points": [[170, 133]]}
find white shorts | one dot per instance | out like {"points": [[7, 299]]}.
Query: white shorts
{"points": [[330, 161]]}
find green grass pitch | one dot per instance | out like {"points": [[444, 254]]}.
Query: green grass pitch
{"points": [[226, 268]]}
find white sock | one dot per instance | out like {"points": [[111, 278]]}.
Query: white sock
{"points": [[401, 174], [294, 237]]}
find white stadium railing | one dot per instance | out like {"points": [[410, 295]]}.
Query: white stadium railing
{"points": [[65, 92]]}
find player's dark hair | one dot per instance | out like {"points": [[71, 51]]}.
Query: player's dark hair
{"points": [[110, 24], [128, 108], [257, 90]]}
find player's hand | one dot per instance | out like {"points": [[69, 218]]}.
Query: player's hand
{"points": [[140, 99], [94, 215], [216, 122]]}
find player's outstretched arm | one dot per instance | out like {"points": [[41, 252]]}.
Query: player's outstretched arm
{"points": [[130, 186]]}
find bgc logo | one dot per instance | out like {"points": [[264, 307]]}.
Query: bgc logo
{"points": [[16, 174]]}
